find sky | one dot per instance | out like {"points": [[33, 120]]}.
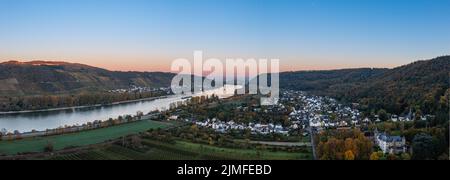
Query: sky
{"points": [[147, 35]]}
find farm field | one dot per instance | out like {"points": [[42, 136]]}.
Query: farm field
{"points": [[78, 139], [242, 154], [180, 150]]}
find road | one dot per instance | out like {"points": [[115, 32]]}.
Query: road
{"points": [[313, 146], [288, 144]]}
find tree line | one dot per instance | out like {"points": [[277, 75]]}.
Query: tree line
{"points": [[59, 101]]}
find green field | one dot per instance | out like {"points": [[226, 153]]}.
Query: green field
{"points": [[78, 139]]}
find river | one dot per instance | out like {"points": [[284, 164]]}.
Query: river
{"points": [[40, 121]]}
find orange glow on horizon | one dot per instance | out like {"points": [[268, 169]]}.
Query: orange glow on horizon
{"points": [[163, 63]]}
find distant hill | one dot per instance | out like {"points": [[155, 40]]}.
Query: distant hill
{"points": [[322, 80], [420, 85], [45, 77]]}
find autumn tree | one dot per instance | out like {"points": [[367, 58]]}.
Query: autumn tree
{"points": [[405, 156], [382, 114], [350, 146], [349, 155], [136, 141], [49, 147], [392, 157], [374, 156], [336, 144]]}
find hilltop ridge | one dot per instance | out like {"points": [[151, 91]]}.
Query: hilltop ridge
{"points": [[57, 77]]}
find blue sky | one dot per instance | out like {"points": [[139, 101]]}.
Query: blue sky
{"points": [[149, 34]]}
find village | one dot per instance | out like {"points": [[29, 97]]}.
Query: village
{"points": [[139, 89], [315, 114]]}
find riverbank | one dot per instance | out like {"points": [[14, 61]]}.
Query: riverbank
{"points": [[42, 120], [82, 107]]}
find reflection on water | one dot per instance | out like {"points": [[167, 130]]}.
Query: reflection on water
{"points": [[47, 120]]}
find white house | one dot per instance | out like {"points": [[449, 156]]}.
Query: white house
{"points": [[390, 144]]}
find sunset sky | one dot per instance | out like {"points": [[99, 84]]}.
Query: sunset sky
{"points": [[146, 35]]}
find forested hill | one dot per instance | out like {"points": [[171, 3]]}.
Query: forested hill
{"points": [[420, 85], [321, 80], [43, 77]]}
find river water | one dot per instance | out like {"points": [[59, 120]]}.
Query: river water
{"points": [[40, 121]]}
